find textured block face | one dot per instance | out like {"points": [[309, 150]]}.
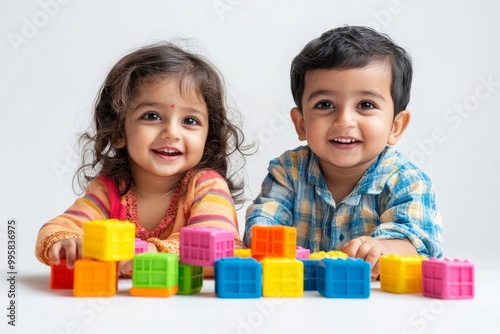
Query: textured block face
{"points": [[274, 241], [344, 278], [282, 277], [155, 270], [190, 279], [447, 279], [238, 278], [60, 276], [109, 240], [95, 278], [201, 246], [401, 274], [310, 274]]}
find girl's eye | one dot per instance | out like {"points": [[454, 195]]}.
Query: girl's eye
{"points": [[366, 105], [151, 116], [325, 105], [190, 121]]}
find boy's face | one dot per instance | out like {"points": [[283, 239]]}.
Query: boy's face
{"points": [[347, 116]]}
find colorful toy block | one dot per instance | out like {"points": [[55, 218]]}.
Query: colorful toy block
{"points": [[202, 245], [108, 240], [302, 253], [141, 246], [310, 274], [190, 279], [274, 241], [95, 278], [155, 270], [243, 252], [60, 276], [238, 278], [153, 292], [401, 273], [343, 278], [446, 279], [282, 277], [330, 254]]}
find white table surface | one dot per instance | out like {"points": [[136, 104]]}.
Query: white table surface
{"points": [[42, 310]]}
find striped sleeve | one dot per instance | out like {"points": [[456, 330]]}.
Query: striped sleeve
{"points": [[93, 206]]}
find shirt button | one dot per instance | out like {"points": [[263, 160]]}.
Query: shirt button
{"points": [[341, 237]]}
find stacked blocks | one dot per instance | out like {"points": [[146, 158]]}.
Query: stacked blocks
{"points": [[104, 243], [243, 252], [447, 279], [94, 278], [343, 278], [202, 245], [401, 273], [190, 279], [155, 275], [330, 254], [60, 276], [238, 278]]}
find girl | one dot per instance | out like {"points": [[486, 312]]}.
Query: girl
{"points": [[160, 155]]}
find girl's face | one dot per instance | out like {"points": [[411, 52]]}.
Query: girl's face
{"points": [[165, 132]]}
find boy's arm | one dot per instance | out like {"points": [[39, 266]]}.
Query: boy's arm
{"points": [[274, 204], [411, 213], [93, 206]]}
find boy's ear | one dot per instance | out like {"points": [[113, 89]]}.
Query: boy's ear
{"points": [[399, 126], [298, 122]]}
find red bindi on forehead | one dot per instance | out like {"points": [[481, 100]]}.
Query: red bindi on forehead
{"points": [[172, 106]]}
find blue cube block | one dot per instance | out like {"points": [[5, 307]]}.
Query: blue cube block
{"points": [[310, 274], [238, 278], [343, 278]]}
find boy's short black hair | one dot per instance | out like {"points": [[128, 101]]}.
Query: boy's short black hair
{"points": [[354, 47]]}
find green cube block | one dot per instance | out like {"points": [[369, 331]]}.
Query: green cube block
{"points": [[190, 279], [155, 270]]}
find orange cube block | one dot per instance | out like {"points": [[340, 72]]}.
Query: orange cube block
{"points": [[274, 241], [95, 278]]}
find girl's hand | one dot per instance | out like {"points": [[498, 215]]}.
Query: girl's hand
{"points": [[69, 249]]}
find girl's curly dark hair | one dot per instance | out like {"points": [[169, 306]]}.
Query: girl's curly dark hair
{"points": [[116, 97]]}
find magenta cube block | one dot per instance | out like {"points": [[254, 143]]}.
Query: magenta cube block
{"points": [[202, 245], [302, 253], [141, 246], [447, 279]]}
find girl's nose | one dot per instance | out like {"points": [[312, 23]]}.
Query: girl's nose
{"points": [[171, 130]]}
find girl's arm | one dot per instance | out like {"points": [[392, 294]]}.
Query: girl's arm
{"points": [[93, 206]]}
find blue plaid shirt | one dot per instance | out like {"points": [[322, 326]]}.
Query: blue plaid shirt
{"points": [[393, 200]]}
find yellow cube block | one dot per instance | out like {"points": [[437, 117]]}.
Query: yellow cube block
{"points": [[243, 252], [401, 273], [109, 240], [282, 277]]}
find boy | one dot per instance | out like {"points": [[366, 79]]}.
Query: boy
{"points": [[349, 189]]}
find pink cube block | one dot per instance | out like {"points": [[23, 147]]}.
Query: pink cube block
{"points": [[447, 279], [202, 245], [141, 246], [302, 253]]}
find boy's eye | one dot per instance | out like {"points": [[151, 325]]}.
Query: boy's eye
{"points": [[366, 105], [325, 105], [151, 116], [190, 121]]}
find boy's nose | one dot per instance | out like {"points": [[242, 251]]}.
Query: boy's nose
{"points": [[344, 118]]}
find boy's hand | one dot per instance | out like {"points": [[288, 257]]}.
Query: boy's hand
{"points": [[368, 249], [69, 249]]}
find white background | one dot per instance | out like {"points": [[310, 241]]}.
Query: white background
{"points": [[55, 54]]}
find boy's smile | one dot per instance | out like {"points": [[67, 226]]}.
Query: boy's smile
{"points": [[348, 117]]}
